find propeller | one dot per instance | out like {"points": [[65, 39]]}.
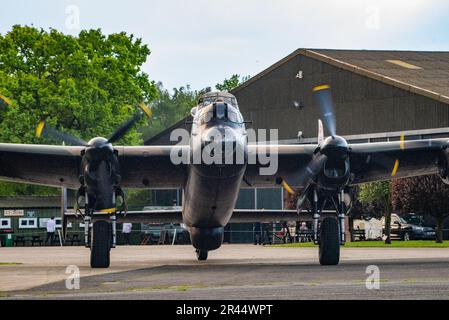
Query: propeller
{"points": [[333, 146], [323, 98], [43, 129], [100, 168], [4, 101]]}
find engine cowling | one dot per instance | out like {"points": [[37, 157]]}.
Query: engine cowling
{"points": [[336, 169]]}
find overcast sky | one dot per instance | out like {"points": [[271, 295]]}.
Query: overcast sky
{"points": [[201, 42]]}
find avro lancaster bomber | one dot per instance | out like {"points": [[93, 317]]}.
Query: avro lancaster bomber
{"points": [[211, 167]]}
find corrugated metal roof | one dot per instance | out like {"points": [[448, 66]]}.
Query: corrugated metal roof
{"points": [[430, 77]]}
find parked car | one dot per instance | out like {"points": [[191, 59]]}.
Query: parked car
{"points": [[409, 227]]}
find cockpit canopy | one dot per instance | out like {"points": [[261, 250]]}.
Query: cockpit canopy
{"points": [[211, 97], [220, 111]]}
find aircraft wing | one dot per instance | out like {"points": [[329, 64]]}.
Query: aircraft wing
{"points": [[40, 164], [141, 166], [286, 161], [368, 161], [151, 167], [387, 160]]}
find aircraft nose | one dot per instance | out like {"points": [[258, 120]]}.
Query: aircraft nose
{"points": [[222, 143], [219, 135]]}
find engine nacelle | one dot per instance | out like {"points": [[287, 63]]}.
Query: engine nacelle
{"points": [[336, 174]]}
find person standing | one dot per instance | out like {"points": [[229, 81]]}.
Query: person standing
{"points": [[257, 229], [126, 231], [51, 228]]}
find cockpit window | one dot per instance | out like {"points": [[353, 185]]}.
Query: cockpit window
{"points": [[206, 117], [232, 116], [207, 100]]}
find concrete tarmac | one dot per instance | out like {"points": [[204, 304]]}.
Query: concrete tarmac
{"points": [[232, 272]]}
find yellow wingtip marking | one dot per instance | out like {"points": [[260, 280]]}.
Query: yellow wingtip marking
{"points": [[40, 128], [287, 187], [322, 87], [395, 168], [146, 109]]}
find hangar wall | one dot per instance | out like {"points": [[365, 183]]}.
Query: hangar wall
{"points": [[363, 105]]}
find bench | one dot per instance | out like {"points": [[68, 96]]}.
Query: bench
{"points": [[358, 234], [75, 239], [19, 239], [36, 240], [305, 236]]}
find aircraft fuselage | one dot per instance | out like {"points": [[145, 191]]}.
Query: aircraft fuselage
{"points": [[218, 161]]}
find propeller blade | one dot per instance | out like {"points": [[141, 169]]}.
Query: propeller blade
{"points": [[323, 98], [126, 126], [4, 101], [305, 176], [44, 129]]}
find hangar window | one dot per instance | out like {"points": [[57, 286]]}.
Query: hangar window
{"points": [[27, 223], [5, 223]]}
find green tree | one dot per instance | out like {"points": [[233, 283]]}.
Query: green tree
{"points": [[169, 108], [426, 195], [85, 85], [378, 196], [233, 82]]}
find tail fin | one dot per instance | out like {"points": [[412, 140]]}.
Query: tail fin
{"points": [[320, 131]]}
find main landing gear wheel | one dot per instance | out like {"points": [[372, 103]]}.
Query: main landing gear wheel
{"points": [[100, 247], [201, 254], [329, 242]]}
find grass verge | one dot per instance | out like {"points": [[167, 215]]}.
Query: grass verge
{"points": [[378, 244], [9, 264]]}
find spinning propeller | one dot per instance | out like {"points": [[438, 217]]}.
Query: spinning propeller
{"points": [[329, 165], [333, 149], [44, 129], [100, 169]]}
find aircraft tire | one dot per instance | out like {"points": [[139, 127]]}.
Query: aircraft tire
{"points": [[100, 247], [201, 255], [329, 252]]}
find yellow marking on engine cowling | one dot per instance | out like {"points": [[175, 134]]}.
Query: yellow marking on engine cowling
{"points": [[395, 168], [110, 210], [40, 128], [323, 87]]}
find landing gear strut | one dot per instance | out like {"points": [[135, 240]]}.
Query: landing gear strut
{"points": [[201, 254], [331, 233]]}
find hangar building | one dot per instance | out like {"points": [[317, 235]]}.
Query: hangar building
{"points": [[378, 95]]}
